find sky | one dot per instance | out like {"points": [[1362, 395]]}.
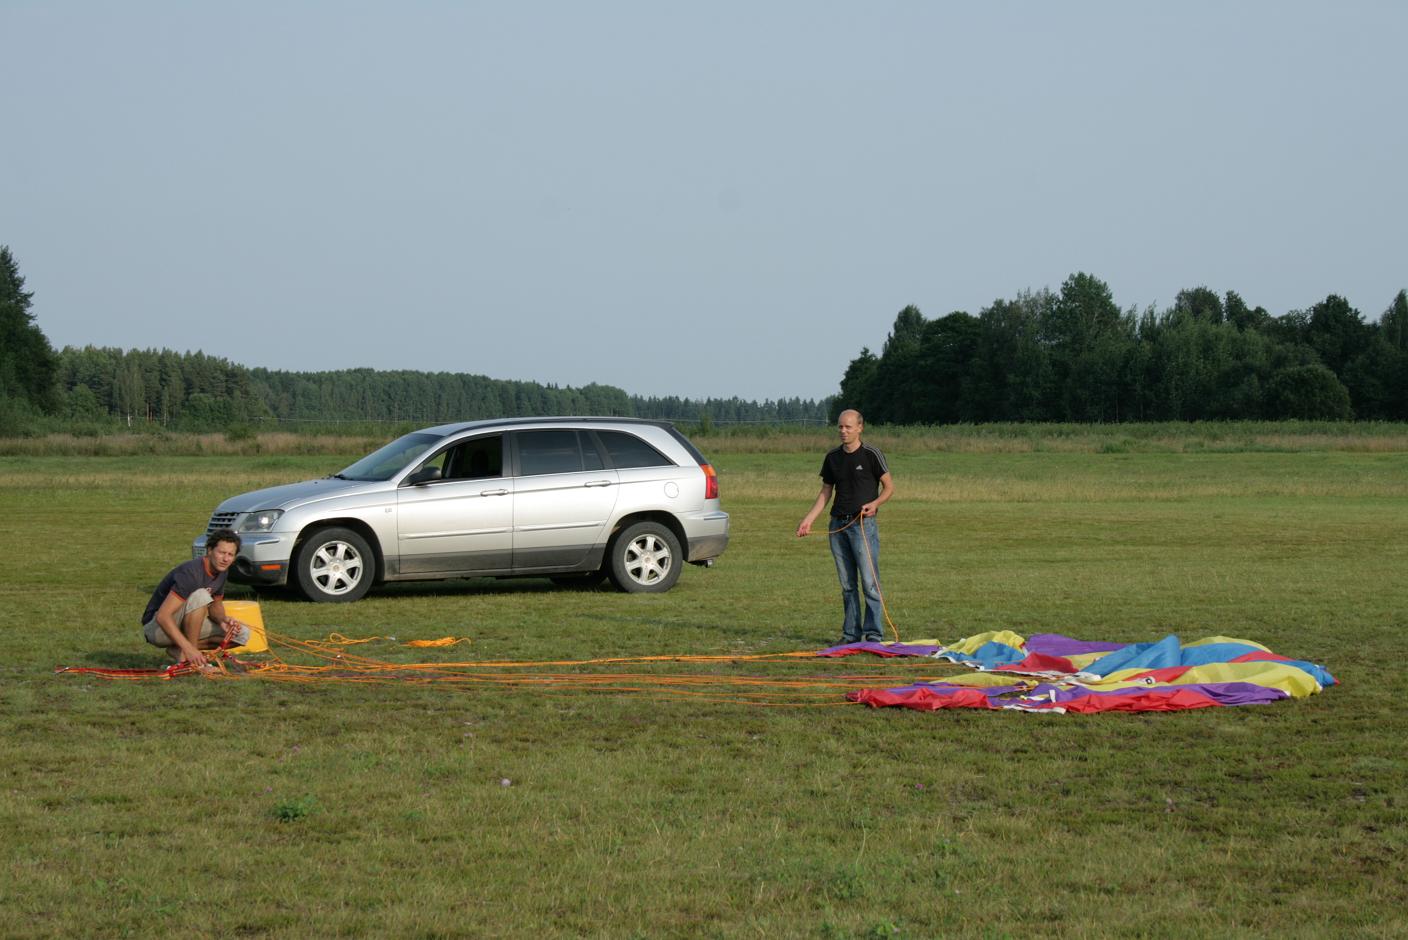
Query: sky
{"points": [[693, 199]]}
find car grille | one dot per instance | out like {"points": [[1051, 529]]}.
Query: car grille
{"points": [[220, 520]]}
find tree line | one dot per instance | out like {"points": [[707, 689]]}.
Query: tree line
{"points": [[1070, 355], [193, 391], [1073, 355], [197, 392]]}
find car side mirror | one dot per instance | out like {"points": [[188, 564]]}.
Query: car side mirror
{"points": [[424, 475]]}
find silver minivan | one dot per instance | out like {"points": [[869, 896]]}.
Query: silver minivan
{"points": [[573, 499]]}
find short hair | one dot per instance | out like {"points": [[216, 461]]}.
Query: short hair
{"points": [[860, 418], [222, 535]]}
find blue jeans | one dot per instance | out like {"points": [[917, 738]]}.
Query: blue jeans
{"points": [[859, 573]]}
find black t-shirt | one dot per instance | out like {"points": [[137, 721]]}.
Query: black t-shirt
{"points": [[855, 476], [184, 579]]}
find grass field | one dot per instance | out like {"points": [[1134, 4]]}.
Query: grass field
{"points": [[245, 808]]}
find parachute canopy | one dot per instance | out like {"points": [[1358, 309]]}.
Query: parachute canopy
{"points": [[1049, 672]]}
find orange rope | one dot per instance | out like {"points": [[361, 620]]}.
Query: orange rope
{"points": [[332, 663]]}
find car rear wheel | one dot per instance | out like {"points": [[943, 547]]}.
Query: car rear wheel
{"points": [[645, 559], [335, 565]]}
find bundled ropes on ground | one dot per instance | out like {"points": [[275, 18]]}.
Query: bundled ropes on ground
{"points": [[1046, 673], [332, 659]]}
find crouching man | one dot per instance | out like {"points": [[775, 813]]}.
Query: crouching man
{"points": [[186, 613]]}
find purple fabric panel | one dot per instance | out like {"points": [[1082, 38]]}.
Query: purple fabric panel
{"points": [[1226, 693], [1054, 644], [906, 649], [892, 649]]}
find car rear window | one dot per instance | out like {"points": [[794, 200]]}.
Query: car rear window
{"points": [[627, 450], [686, 443]]}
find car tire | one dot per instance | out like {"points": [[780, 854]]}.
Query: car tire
{"points": [[335, 565], [646, 559]]}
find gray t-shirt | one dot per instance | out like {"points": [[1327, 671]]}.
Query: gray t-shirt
{"points": [[184, 579]]}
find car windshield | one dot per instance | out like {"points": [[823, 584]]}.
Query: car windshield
{"points": [[391, 459]]}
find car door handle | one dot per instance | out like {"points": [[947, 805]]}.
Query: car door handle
{"points": [[598, 483], [493, 492]]}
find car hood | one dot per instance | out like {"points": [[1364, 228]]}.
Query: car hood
{"points": [[291, 494]]}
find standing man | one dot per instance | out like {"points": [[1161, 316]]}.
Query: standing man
{"points": [[186, 613], [858, 475]]}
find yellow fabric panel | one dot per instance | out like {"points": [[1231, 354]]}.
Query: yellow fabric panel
{"points": [[1209, 640], [985, 679], [971, 644], [1296, 682]]}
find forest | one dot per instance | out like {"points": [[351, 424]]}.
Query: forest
{"points": [[1068, 355], [1073, 355], [195, 391], [94, 387]]}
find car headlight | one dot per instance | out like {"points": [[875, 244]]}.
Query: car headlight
{"points": [[261, 521]]}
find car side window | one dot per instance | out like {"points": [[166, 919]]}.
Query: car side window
{"points": [[627, 450], [440, 461], [549, 451], [477, 459], [480, 458], [592, 458]]}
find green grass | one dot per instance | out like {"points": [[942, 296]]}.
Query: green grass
{"points": [[193, 808]]}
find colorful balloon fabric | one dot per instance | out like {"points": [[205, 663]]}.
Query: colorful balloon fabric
{"points": [[1049, 672]]}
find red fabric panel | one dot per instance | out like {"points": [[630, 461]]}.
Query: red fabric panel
{"points": [[1039, 662], [923, 699]]}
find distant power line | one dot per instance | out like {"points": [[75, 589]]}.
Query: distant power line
{"points": [[679, 419]]}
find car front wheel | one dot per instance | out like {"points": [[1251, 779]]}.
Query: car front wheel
{"points": [[645, 559], [335, 565]]}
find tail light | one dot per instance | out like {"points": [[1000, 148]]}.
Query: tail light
{"points": [[711, 481]]}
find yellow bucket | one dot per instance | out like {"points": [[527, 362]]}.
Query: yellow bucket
{"points": [[247, 612]]}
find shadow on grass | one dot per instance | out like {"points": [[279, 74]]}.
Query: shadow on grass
{"points": [[473, 587], [120, 659]]}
